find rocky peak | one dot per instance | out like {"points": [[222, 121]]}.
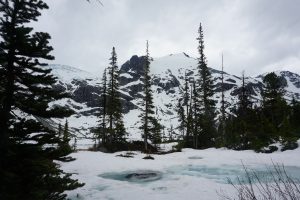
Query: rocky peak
{"points": [[167, 78], [134, 65]]}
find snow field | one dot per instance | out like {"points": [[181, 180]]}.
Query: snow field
{"points": [[190, 174]]}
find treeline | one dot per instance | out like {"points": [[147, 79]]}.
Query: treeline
{"points": [[250, 125], [257, 126], [196, 107], [247, 125], [110, 132]]}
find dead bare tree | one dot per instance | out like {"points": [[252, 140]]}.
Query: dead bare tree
{"points": [[280, 186]]}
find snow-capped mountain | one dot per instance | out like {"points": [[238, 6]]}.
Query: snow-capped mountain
{"points": [[167, 76]]}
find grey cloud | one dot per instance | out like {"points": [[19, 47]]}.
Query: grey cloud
{"points": [[255, 35]]}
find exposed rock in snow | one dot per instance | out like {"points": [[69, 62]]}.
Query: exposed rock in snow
{"points": [[167, 77]]}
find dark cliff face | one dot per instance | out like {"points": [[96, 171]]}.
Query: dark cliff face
{"points": [[167, 83], [135, 65], [85, 93], [294, 78], [88, 92], [134, 68], [131, 76]]}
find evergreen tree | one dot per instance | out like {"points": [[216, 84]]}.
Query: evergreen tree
{"points": [[64, 144], [222, 118], [295, 116], [276, 110], [186, 103], [75, 144], [275, 106], [114, 108], [206, 92], [190, 121], [243, 119], [171, 133], [249, 127], [181, 117], [59, 130], [196, 116], [148, 119], [182, 109], [244, 103], [66, 135], [156, 138], [28, 149], [245, 125], [102, 129]]}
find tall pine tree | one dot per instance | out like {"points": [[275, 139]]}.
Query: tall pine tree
{"points": [[243, 113], [222, 117], [205, 90], [64, 144], [295, 116], [196, 116], [181, 117], [275, 106], [28, 149], [59, 130], [102, 129], [244, 103], [116, 127], [276, 110], [148, 120]]}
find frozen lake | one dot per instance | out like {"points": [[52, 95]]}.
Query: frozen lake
{"points": [[185, 175], [221, 174]]}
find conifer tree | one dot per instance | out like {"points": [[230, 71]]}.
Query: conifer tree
{"points": [[243, 119], [250, 129], [59, 130], [28, 149], [186, 102], [186, 97], [273, 101], [75, 144], [182, 109], [244, 103], [64, 144], [295, 116], [206, 92], [66, 135], [189, 141], [102, 130], [181, 117], [114, 108], [223, 112], [148, 119], [196, 127], [156, 137], [276, 110]]}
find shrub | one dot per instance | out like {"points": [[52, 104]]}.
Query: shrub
{"points": [[253, 187]]}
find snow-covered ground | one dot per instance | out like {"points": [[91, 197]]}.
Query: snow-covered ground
{"points": [[190, 174]]}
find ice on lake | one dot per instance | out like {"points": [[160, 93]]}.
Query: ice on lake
{"points": [[185, 175], [224, 173], [139, 176], [221, 174], [195, 157]]}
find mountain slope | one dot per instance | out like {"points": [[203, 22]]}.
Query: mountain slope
{"points": [[167, 78]]}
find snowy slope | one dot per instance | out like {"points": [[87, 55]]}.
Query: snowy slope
{"points": [[167, 79], [67, 73]]}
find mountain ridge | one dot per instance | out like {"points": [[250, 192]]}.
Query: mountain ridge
{"points": [[167, 79]]}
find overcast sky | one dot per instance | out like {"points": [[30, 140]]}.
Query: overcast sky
{"points": [[254, 35]]}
